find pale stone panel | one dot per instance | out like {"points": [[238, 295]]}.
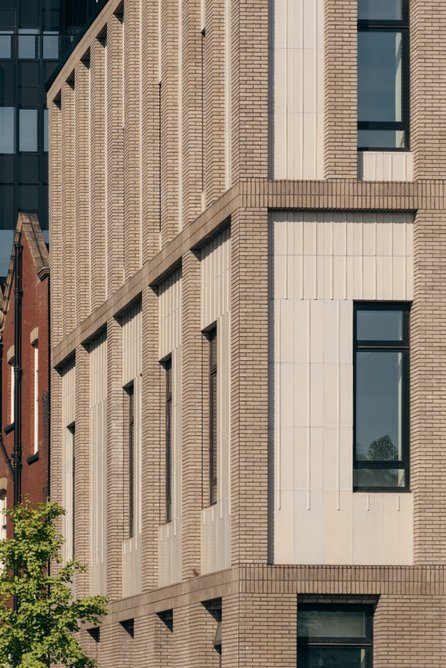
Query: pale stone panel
{"points": [[169, 535], [297, 89], [317, 517], [98, 463], [68, 417], [385, 166]]}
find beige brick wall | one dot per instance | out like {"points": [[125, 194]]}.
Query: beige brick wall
{"points": [[127, 168]]}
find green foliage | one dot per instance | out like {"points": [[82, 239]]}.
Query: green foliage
{"points": [[39, 631]]}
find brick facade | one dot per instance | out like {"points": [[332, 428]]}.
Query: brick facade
{"points": [[33, 332], [150, 166]]}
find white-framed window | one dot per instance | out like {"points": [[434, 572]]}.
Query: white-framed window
{"points": [[11, 391], [36, 396], [3, 506]]}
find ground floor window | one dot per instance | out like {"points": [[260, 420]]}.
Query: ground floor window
{"points": [[335, 635]]}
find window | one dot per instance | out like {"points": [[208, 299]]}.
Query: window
{"points": [[168, 479], [36, 397], [50, 45], [7, 129], [212, 336], [381, 414], [28, 130], [6, 43], [131, 457], [45, 130], [12, 390], [334, 635], [3, 518], [72, 514], [27, 44], [383, 74]]}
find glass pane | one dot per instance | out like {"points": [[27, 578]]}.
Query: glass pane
{"points": [[332, 657], [379, 478], [332, 624], [51, 46], [7, 129], [45, 130], [380, 76], [379, 325], [380, 10], [27, 44], [382, 139], [379, 406], [6, 240], [5, 44], [28, 130]]}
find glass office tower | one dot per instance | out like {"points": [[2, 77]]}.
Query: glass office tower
{"points": [[34, 36]]}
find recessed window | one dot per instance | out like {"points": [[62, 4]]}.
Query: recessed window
{"points": [[27, 44], [168, 440], [213, 408], [381, 416], [383, 100], [131, 458], [6, 44], [7, 129], [332, 635], [50, 45], [27, 130], [36, 396]]}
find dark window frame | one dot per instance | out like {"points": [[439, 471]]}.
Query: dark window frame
{"points": [[402, 346], [304, 643], [213, 412], [130, 392], [167, 365], [388, 25], [72, 429]]}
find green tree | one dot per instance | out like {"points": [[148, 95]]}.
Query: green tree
{"points": [[38, 630]]}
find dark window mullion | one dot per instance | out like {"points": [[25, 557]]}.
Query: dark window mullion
{"points": [[213, 449], [168, 461]]}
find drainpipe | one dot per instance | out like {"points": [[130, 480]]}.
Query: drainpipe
{"points": [[17, 451]]}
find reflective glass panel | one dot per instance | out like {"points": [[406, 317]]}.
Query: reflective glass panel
{"points": [[379, 325], [380, 10], [381, 139], [6, 240], [379, 76], [5, 44], [332, 624], [332, 657], [50, 46], [45, 130], [379, 406], [7, 129], [379, 478], [28, 130], [27, 48]]}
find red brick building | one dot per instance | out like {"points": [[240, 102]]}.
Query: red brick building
{"points": [[24, 418]]}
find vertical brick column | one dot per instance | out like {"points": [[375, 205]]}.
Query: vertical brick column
{"points": [[195, 629], [428, 366], [191, 111], [151, 444], [68, 210], [132, 135], [249, 385], [82, 467], [82, 179], [115, 460], [268, 631], [115, 163], [214, 95], [98, 175], [150, 119], [408, 631], [249, 81], [56, 440], [341, 89], [428, 88], [169, 120], [191, 447], [55, 217]]}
